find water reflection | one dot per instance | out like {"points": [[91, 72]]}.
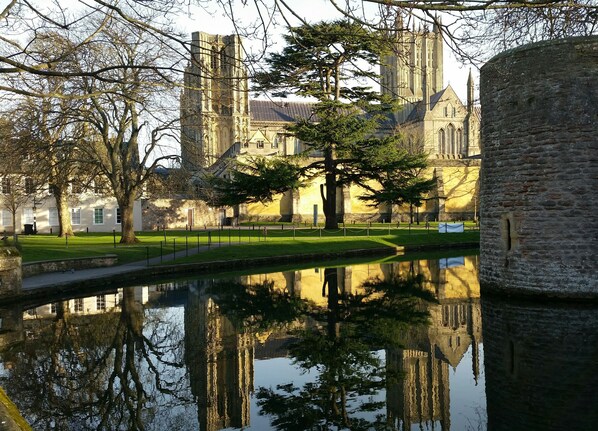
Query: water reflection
{"points": [[376, 343], [541, 364]]}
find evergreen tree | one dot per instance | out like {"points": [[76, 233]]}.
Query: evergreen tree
{"points": [[342, 136]]}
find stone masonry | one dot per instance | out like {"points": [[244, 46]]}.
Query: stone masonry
{"points": [[10, 271], [539, 181]]}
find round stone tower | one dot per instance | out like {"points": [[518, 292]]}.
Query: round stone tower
{"points": [[539, 181]]}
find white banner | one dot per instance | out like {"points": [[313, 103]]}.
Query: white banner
{"points": [[450, 227]]}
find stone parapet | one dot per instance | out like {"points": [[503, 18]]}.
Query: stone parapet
{"points": [[34, 268]]}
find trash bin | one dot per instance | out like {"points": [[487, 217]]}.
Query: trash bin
{"points": [[28, 229]]}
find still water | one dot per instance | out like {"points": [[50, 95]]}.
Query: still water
{"points": [[385, 346]]}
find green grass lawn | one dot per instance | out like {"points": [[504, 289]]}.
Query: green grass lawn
{"points": [[249, 241]]}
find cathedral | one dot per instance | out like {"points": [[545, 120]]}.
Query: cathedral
{"points": [[219, 122]]}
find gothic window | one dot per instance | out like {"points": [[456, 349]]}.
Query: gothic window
{"points": [[446, 111], [451, 139], [223, 61], [459, 141], [441, 142], [214, 59]]}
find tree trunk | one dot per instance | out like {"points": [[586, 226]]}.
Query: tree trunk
{"points": [[64, 216], [126, 222], [329, 201]]}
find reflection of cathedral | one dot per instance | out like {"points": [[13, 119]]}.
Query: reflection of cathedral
{"points": [[455, 326], [219, 354], [221, 360], [220, 363]]}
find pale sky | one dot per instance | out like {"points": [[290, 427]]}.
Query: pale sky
{"points": [[198, 19]]}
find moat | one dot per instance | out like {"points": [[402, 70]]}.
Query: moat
{"points": [[386, 345]]}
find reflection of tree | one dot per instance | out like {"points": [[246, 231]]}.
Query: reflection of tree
{"points": [[258, 306], [340, 345], [99, 372]]}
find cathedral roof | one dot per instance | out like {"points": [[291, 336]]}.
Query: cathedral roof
{"points": [[278, 111]]}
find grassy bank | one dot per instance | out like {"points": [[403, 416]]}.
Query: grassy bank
{"points": [[240, 243]]}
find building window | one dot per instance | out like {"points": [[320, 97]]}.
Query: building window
{"points": [[260, 144], [101, 302], [5, 218], [98, 216], [76, 188], [450, 147], [275, 142], [459, 141], [53, 307], [246, 144], [79, 305], [117, 216], [441, 141], [53, 216], [29, 186], [76, 216], [6, 185], [27, 215], [214, 58]]}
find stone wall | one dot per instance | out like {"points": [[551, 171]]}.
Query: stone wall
{"points": [[33, 268], [454, 199], [539, 199], [179, 214], [10, 271]]}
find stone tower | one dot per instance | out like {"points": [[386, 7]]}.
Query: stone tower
{"points": [[539, 233], [414, 70], [215, 101]]}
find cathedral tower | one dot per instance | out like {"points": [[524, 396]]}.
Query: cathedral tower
{"points": [[415, 67], [214, 103]]}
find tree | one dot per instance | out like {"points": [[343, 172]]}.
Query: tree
{"points": [[128, 119], [257, 180], [46, 136], [393, 175], [321, 61]]}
